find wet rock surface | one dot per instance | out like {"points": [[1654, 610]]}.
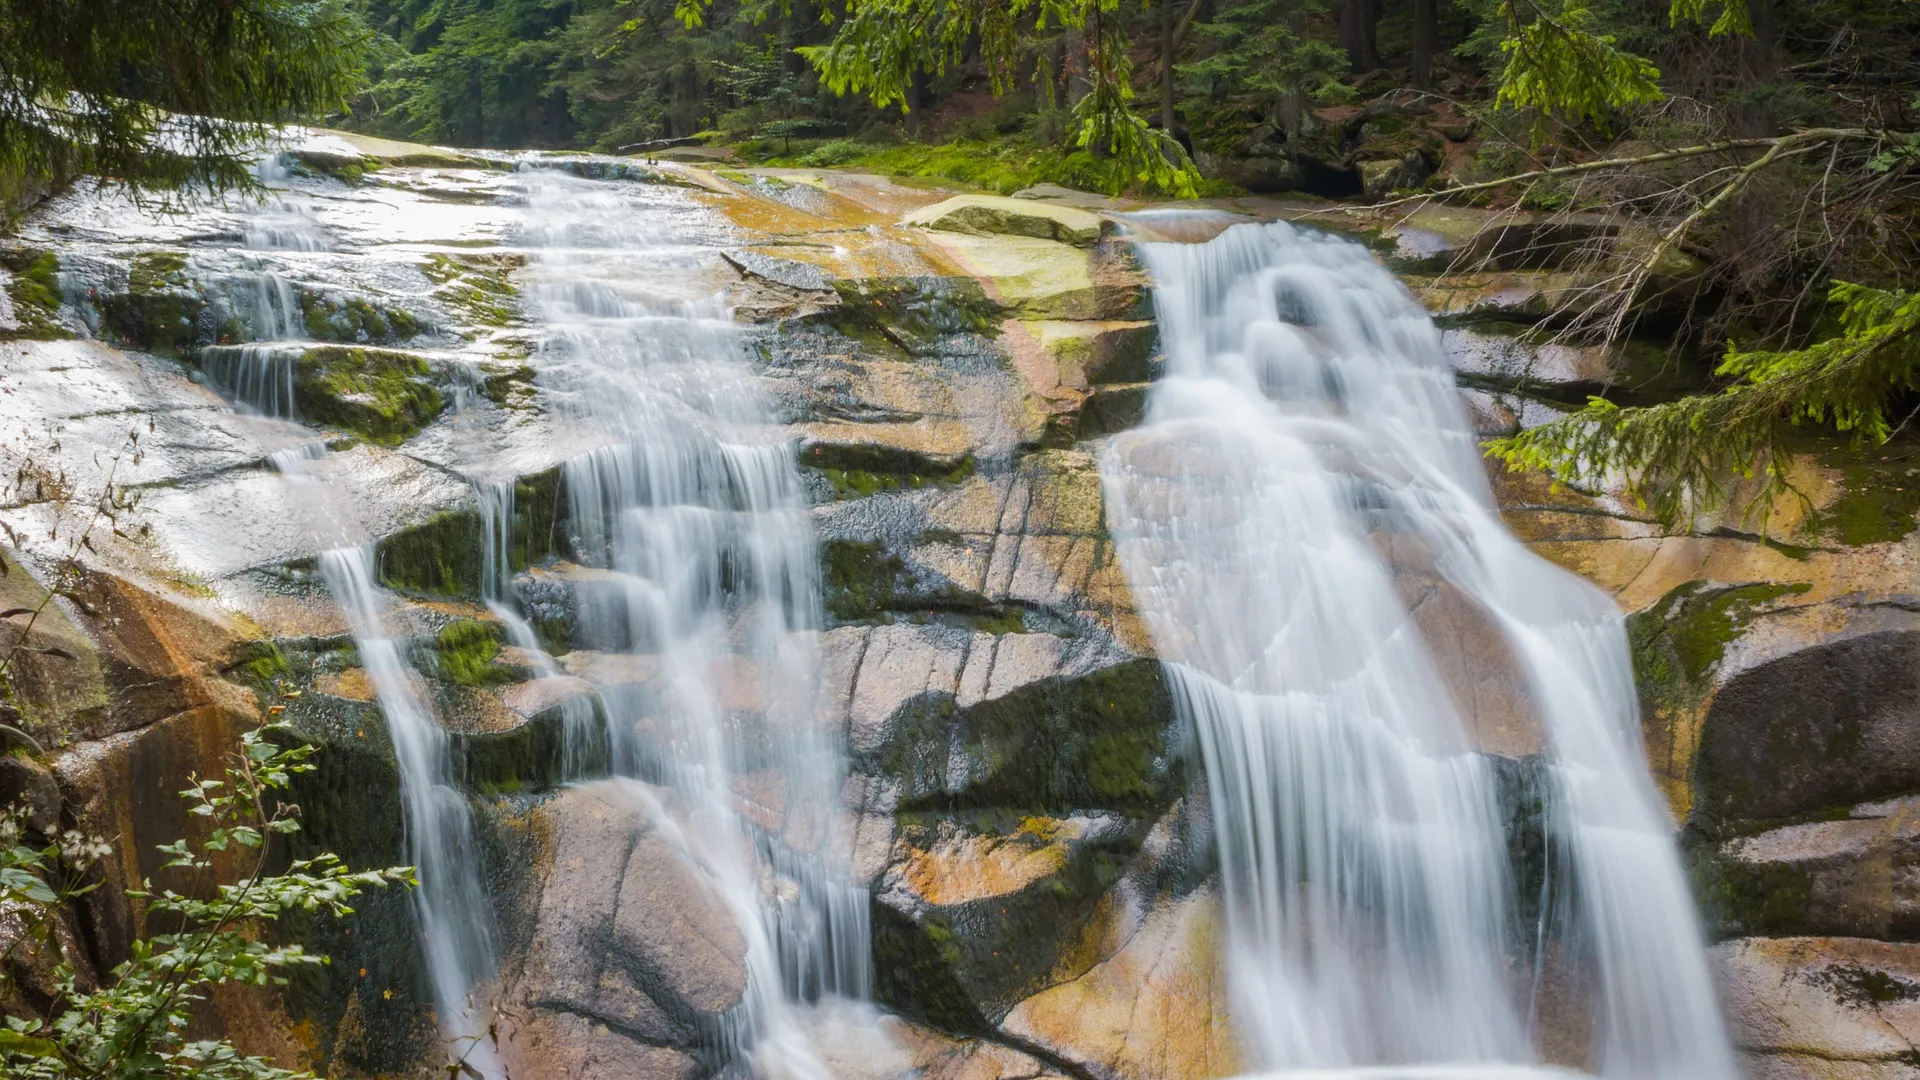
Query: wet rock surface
{"points": [[1022, 804]]}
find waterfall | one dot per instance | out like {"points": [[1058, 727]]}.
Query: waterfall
{"points": [[259, 374], [450, 905], [704, 571], [1305, 461]]}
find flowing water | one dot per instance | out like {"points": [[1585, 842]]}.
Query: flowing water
{"points": [[694, 516], [1305, 454], [1305, 458]]}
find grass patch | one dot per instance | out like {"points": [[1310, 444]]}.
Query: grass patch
{"points": [[1003, 166]]}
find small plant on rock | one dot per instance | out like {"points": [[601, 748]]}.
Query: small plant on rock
{"points": [[135, 1022]]}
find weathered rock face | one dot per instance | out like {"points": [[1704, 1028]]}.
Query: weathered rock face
{"points": [[1021, 804], [1823, 1007], [630, 939]]}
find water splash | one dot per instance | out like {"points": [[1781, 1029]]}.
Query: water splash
{"points": [[1304, 461]]}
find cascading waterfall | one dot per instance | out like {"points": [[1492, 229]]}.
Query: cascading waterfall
{"points": [[1305, 447], [441, 845], [583, 740], [695, 519]]}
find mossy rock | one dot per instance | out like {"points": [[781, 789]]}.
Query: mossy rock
{"points": [[33, 287], [1678, 642], [907, 315], [864, 581], [528, 758], [372, 1004], [477, 288], [465, 650], [995, 215], [161, 311], [981, 957], [1099, 741], [356, 320], [856, 470], [442, 555], [1741, 899], [1879, 499], [1812, 732], [381, 395]]}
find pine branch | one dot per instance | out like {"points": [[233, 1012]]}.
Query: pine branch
{"points": [[1674, 459], [1723, 146]]}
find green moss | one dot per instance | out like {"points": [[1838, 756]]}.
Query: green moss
{"points": [[440, 556], [1677, 642], [152, 271], [860, 579], [1739, 898], [467, 649], [1056, 745], [856, 471], [261, 663], [477, 288], [908, 315], [355, 320], [526, 758], [159, 312], [1879, 502], [382, 396], [34, 288], [863, 581]]}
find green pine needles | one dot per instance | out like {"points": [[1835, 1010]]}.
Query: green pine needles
{"points": [[881, 44], [165, 96], [1676, 459]]}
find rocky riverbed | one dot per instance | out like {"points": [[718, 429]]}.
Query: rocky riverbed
{"points": [[1023, 804]]}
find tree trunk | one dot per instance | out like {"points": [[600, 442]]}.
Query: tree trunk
{"points": [[1426, 32], [1358, 18], [1168, 46], [1293, 103], [1759, 65]]}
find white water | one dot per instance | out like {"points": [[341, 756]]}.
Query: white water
{"points": [[452, 909], [450, 905], [1307, 428], [695, 511]]}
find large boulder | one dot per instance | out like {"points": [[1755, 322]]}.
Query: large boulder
{"points": [[1153, 1006], [632, 935], [993, 215], [1836, 723], [1822, 1008], [1857, 876]]}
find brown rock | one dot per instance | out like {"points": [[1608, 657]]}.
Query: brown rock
{"points": [[1815, 1008], [561, 1046], [673, 924], [1155, 1008]]}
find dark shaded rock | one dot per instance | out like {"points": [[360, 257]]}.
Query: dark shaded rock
{"points": [[1834, 724]]}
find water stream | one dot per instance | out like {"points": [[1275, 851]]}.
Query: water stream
{"points": [[1306, 475], [706, 579], [1304, 484]]}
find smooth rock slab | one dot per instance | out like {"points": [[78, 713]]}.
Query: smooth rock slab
{"points": [[993, 215], [631, 931], [1819, 1008]]}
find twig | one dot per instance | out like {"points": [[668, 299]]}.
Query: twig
{"points": [[1621, 162]]}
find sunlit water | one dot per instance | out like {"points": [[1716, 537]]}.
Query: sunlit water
{"points": [[696, 514], [1305, 447]]}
